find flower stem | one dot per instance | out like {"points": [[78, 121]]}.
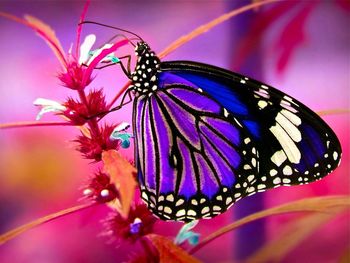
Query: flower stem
{"points": [[80, 27], [316, 204], [23, 124], [198, 31], [95, 130], [206, 27], [19, 230], [333, 111]]}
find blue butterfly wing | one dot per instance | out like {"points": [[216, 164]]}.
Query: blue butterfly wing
{"points": [[208, 137]]}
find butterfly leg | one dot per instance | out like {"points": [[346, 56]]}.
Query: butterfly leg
{"points": [[122, 103], [126, 70]]}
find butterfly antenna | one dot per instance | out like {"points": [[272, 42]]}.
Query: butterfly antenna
{"points": [[124, 36], [117, 28]]}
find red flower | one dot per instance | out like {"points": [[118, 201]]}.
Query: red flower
{"points": [[100, 188], [92, 147], [79, 112], [73, 76], [139, 222]]}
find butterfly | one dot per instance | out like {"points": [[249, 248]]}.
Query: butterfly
{"points": [[206, 137]]}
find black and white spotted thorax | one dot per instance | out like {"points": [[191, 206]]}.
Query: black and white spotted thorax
{"points": [[144, 77]]}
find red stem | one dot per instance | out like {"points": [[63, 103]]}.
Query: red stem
{"points": [[23, 124], [80, 27], [95, 130], [21, 229]]}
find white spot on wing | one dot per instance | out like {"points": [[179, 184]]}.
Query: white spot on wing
{"points": [[289, 147], [273, 172], [167, 210], [263, 91], [205, 210], [261, 186], [292, 117], [225, 112], [170, 198], [262, 104], [277, 180], [288, 126], [287, 170], [335, 156], [181, 212], [238, 122], [216, 208], [179, 202], [278, 158], [288, 98], [254, 162], [286, 180], [251, 178], [191, 213]]}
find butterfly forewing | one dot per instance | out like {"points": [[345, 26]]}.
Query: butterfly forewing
{"points": [[197, 166]]}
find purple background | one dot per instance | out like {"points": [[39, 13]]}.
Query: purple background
{"points": [[40, 172]]}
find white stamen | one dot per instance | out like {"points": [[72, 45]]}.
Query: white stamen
{"points": [[48, 106], [86, 47]]}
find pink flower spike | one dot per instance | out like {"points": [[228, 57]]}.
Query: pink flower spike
{"points": [[101, 56], [73, 76]]}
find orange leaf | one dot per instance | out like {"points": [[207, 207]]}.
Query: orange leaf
{"points": [[345, 258], [21, 229], [333, 111], [294, 234], [208, 26], [48, 34], [169, 252], [317, 204], [122, 175], [43, 31]]}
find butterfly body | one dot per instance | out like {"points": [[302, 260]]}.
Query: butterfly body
{"points": [[206, 137]]}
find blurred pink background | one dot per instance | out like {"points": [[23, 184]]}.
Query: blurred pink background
{"points": [[40, 172]]}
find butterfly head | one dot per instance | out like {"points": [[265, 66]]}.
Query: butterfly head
{"points": [[141, 48]]}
